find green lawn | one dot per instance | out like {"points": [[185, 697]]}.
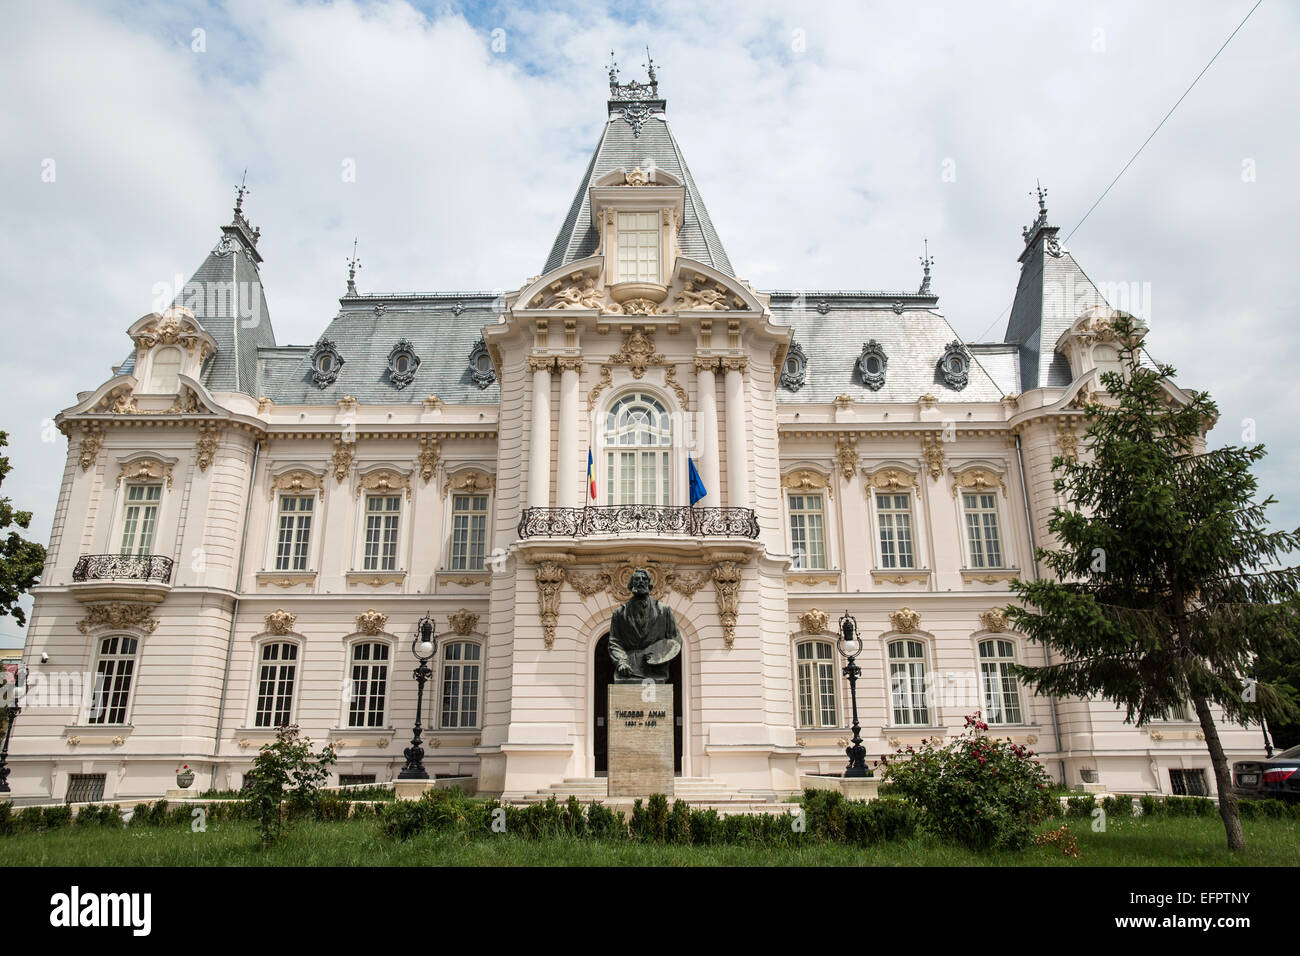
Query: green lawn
{"points": [[1159, 842]]}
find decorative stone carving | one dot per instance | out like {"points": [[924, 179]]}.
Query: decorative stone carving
{"points": [[263, 405], [146, 469], [871, 365], [637, 353], [843, 401], [635, 306], [298, 482], [733, 363], [814, 621], [807, 480], [994, 619], [889, 479], [372, 621], [463, 622], [384, 481], [430, 450], [187, 403], [92, 440], [588, 584], [670, 379], [550, 577], [795, 369], [348, 404], [403, 363], [846, 453], [580, 293], [927, 401], [326, 362], [954, 367], [481, 371], [726, 581], [932, 452], [905, 620], [606, 380], [344, 453], [978, 479], [1068, 441], [1157, 735], [119, 402], [636, 178], [205, 449], [280, 622], [115, 615], [174, 327], [1031, 739], [469, 483], [705, 298]]}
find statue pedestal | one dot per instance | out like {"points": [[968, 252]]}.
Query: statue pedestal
{"points": [[640, 740]]}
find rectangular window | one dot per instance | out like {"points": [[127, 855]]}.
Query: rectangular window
{"points": [[382, 515], [276, 674], [816, 676], [369, 685], [894, 514], [807, 541], [460, 675], [85, 787], [638, 247], [1001, 690], [982, 530], [113, 674], [291, 549], [140, 518], [1175, 714], [1188, 783], [469, 514], [907, 683], [356, 779]]}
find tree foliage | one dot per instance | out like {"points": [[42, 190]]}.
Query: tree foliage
{"points": [[1167, 584], [20, 560]]}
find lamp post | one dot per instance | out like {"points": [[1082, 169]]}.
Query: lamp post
{"points": [[850, 647], [12, 710], [423, 646]]}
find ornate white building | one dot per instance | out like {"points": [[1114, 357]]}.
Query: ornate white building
{"points": [[247, 533]]}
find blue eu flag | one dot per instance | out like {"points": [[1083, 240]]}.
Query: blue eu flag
{"points": [[698, 490]]}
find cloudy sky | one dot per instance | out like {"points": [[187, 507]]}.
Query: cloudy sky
{"points": [[828, 141]]}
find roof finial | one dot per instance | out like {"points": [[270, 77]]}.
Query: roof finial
{"points": [[353, 265], [240, 191], [1042, 201], [926, 262], [650, 72], [613, 74]]}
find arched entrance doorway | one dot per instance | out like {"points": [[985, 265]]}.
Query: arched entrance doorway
{"points": [[604, 676]]}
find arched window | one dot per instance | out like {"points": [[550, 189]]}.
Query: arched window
{"points": [[163, 374], [638, 451], [907, 683], [113, 674], [276, 674], [1001, 690], [369, 690], [815, 662], [460, 680]]}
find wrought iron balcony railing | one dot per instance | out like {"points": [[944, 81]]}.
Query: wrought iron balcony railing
{"points": [[638, 519], [129, 567]]}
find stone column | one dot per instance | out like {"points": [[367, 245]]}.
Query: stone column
{"points": [[539, 452], [706, 432], [569, 492], [737, 431]]}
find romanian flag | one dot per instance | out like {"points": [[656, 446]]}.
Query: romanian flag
{"points": [[591, 474]]}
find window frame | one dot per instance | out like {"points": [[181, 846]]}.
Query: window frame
{"points": [[656, 274], [999, 662], [876, 520], [965, 511], [819, 690], [930, 711], [386, 695], [478, 662], [256, 684], [152, 384], [128, 707], [668, 491], [399, 534], [823, 496], [125, 504], [452, 514], [278, 517]]}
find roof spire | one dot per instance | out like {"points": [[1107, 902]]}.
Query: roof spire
{"points": [[1029, 231], [240, 191], [926, 262], [650, 70], [353, 265]]}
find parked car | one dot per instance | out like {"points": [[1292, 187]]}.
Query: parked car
{"points": [[1277, 777]]}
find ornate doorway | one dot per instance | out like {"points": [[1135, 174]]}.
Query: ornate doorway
{"points": [[604, 676]]}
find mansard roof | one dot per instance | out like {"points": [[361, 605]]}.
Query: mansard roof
{"points": [[637, 134], [1053, 291]]}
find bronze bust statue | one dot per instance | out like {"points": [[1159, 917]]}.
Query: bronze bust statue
{"points": [[643, 635]]}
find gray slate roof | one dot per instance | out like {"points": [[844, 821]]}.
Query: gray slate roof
{"points": [[620, 148], [914, 342], [1052, 293], [441, 338]]}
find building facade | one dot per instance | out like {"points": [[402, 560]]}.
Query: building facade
{"points": [[247, 533]]}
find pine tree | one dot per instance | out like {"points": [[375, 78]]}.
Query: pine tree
{"points": [[20, 560], [1167, 584]]}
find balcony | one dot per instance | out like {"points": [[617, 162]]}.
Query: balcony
{"points": [[137, 577], [638, 520]]}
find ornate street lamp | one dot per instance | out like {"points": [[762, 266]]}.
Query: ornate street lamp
{"points": [[850, 647], [12, 710], [424, 645]]}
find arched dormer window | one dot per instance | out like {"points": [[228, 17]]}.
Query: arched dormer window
{"points": [[638, 451], [164, 371]]}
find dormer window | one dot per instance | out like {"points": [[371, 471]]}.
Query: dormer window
{"points": [[638, 247], [481, 372], [872, 364], [325, 363], [163, 376], [402, 364], [954, 367]]}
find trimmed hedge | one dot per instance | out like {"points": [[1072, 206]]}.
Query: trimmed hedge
{"points": [[824, 816]]}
